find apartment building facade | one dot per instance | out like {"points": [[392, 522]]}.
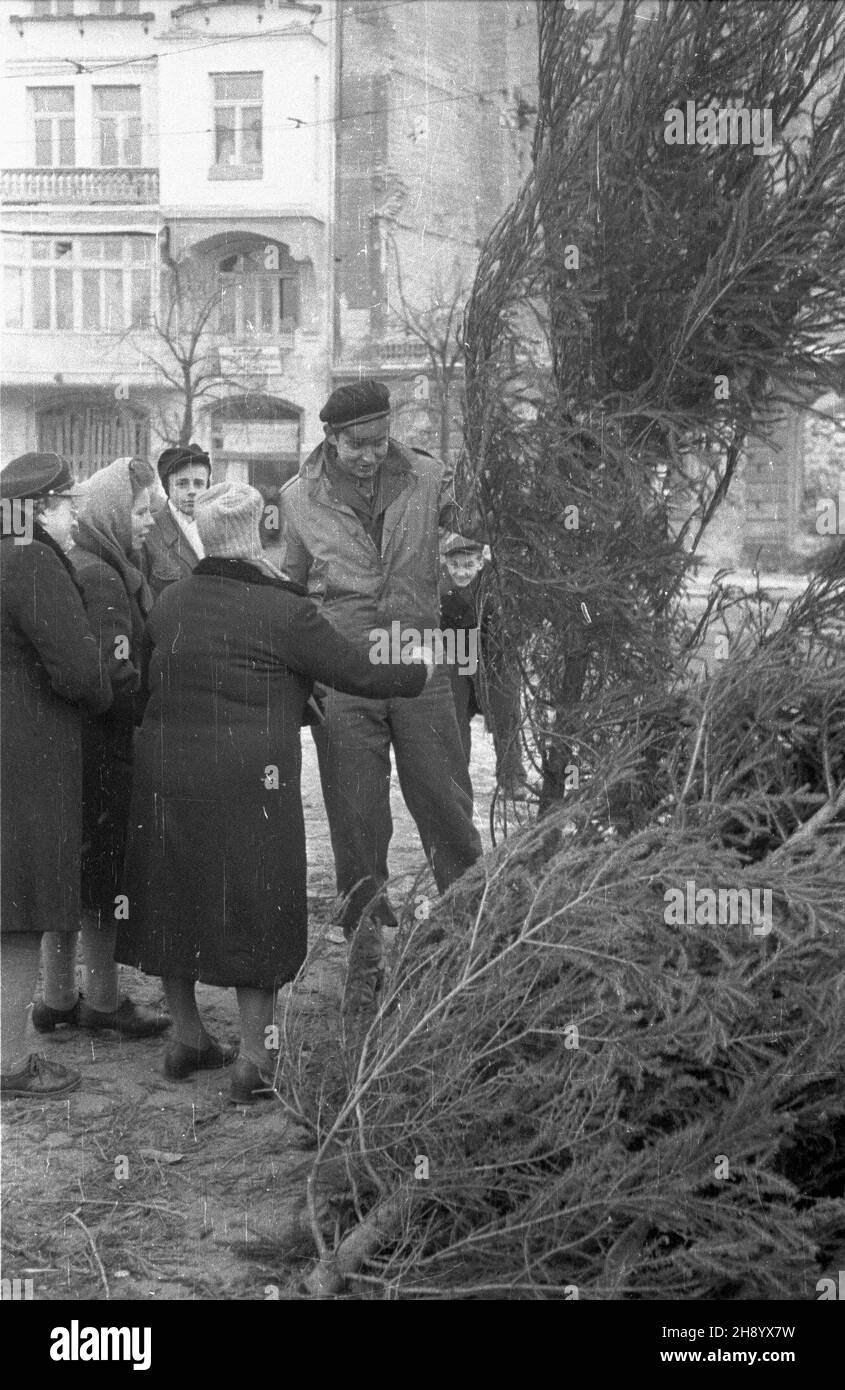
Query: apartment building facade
{"points": [[435, 104], [142, 135], [279, 153]]}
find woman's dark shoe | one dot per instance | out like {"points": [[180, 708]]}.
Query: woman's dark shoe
{"points": [[38, 1079], [45, 1019], [181, 1061], [249, 1084], [129, 1019]]}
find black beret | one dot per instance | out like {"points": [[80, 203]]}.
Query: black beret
{"points": [[35, 475], [178, 456], [355, 404]]}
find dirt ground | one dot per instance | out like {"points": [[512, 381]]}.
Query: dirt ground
{"points": [[138, 1188]]}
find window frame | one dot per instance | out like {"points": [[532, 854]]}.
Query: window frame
{"points": [[122, 120], [238, 168], [79, 266], [56, 9], [247, 282], [54, 120]]}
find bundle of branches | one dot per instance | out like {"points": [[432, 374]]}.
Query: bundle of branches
{"points": [[610, 1064], [754, 753], [640, 309]]}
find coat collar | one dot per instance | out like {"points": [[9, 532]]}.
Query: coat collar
{"points": [[172, 533], [399, 460], [224, 568], [400, 463]]}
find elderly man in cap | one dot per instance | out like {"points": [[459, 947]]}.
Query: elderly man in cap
{"points": [[173, 546], [360, 530]]}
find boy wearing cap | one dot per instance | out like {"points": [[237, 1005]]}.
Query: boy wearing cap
{"points": [[173, 547], [494, 689], [360, 531]]}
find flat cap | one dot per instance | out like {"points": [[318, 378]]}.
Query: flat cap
{"points": [[36, 475], [356, 403], [178, 455]]}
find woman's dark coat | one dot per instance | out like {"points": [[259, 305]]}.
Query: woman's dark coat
{"points": [[216, 869], [50, 667], [117, 618]]}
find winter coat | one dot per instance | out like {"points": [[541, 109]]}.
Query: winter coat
{"points": [[167, 554], [116, 615], [50, 668], [358, 584], [216, 869]]}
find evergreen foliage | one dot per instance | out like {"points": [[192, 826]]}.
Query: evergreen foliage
{"points": [[610, 1100], [635, 314]]}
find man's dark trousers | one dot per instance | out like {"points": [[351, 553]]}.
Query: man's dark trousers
{"points": [[353, 749]]}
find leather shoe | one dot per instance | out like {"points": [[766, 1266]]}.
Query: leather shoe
{"points": [[129, 1019], [180, 1060], [38, 1079], [248, 1084]]}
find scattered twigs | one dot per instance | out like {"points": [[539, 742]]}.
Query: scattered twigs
{"points": [[72, 1216]]}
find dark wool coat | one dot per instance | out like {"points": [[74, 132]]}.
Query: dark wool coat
{"points": [[167, 554], [50, 666], [216, 868], [114, 613]]}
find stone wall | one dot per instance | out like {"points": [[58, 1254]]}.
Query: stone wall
{"points": [[435, 112]]}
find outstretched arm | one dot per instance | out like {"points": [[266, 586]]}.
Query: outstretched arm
{"points": [[308, 643]]}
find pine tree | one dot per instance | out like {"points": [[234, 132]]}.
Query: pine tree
{"points": [[640, 309]]}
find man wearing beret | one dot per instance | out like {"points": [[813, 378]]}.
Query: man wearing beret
{"points": [[173, 547], [360, 531]]}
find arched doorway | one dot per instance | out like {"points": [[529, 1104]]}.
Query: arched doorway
{"points": [[256, 439]]}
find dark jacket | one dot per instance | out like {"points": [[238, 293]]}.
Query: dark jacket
{"points": [[167, 554], [117, 619], [215, 869], [50, 668]]}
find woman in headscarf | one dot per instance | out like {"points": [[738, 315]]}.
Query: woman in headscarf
{"points": [[114, 518], [50, 669], [216, 868]]}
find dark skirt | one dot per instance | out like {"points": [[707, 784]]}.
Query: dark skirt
{"points": [[215, 866]]}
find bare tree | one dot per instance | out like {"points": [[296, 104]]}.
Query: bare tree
{"points": [[438, 328], [182, 345]]}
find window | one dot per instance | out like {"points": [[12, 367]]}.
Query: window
{"points": [[90, 434], [87, 284], [107, 7], [13, 283], [237, 120], [117, 126], [52, 116], [256, 303], [44, 9]]}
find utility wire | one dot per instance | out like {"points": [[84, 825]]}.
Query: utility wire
{"points": [[298, 122], [231, 38]]}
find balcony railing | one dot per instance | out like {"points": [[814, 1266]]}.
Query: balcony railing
{"points": [[79, 186]]}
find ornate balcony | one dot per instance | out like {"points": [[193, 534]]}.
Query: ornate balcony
{"points": [[29, 186]]}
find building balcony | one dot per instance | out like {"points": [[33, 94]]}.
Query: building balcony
{"points": [[83, 186]]}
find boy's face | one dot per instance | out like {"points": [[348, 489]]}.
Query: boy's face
{"points": [[185, 484], [463, 566]]}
